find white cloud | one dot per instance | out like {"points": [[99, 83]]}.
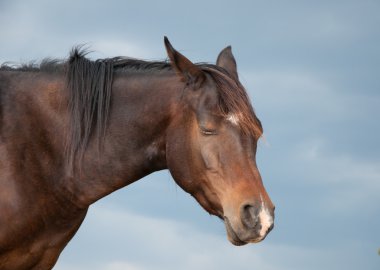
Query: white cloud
{"points": [[117, 265], [302, 101], [355, 182], [125, 240], [139, 242], [296, 100], [287, 92], [121, 266], [110, 47], [30, 36]]}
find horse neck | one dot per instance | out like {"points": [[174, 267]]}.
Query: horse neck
{"points": [[135, 141]]}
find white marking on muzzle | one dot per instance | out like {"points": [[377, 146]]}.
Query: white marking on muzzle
{"points": [[266, 219]]}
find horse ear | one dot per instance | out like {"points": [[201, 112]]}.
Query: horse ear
{"points": [[227, 61], [191, 73]]}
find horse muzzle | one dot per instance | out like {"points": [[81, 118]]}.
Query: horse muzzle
{"points": [[251, 225]]}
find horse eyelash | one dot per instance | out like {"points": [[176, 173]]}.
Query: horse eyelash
{"points": [[208, 132]]}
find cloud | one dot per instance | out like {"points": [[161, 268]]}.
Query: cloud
{"points": [[316, 95], [34, 33], [132, 241], [314, 112], [351, 183], [126, 240], [110, 47], [121, 266]]}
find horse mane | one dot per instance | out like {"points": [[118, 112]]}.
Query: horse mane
{"points": [[89, 84]]}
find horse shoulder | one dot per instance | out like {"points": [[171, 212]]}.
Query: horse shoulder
{"points": [[34, 210]]}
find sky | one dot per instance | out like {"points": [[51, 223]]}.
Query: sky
{"points": [[312, 70]]}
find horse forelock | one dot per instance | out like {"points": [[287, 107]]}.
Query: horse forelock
{"points": [[234, 103]]}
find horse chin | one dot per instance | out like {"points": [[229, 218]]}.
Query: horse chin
{"points": [[231, 235], [234, 238]]}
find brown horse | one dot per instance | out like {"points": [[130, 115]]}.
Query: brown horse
{"points": [[73, 131]]}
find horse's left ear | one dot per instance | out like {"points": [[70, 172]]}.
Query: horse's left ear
{"points": [[191, 73], [227, 61]]}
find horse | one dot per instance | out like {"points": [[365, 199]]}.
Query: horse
{"points": [[74, 130]]}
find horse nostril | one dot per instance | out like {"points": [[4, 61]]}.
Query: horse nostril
{"points": [[249, 215]]}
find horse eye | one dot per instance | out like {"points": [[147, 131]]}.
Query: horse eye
{"points": [[208, 131]]}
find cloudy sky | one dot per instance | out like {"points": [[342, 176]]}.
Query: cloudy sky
{"points": [[312, 69]]}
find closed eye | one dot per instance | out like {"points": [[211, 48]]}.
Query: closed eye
{"points": [[208, 131]]}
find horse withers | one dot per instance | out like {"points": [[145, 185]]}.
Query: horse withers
{"points": [[73, 131]]}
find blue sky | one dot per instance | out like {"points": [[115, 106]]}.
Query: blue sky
{"points": [[312, 72]]}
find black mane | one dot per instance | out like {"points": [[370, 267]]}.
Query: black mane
{"points": [[89, 84], [120, 63]]}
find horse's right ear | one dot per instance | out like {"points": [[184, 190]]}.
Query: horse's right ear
{"points": [[189, 72]]}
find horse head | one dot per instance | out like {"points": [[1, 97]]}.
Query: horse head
{"points": [[211, 146]]}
